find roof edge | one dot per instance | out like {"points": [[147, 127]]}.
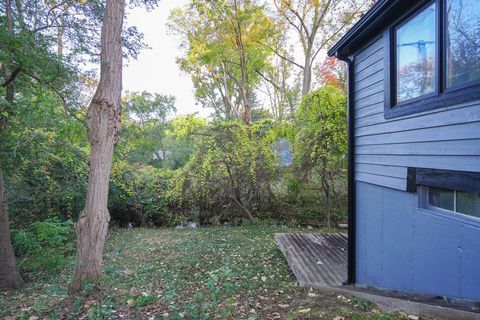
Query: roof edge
{"points": [[357, 28]]}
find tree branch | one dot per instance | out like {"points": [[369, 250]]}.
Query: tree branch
{"points": [[281, 55], [12, 77]]}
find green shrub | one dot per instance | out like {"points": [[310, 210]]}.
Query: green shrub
{"points": [[320, 153], [229, 173], [44, 245], [138, 195]]}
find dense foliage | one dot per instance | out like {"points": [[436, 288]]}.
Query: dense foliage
{"points": [[47, 245], [169, 169], [230, 172], [320, 150]]}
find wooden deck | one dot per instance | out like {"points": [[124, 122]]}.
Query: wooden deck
{"points": [[317, 260], [320, 260]]}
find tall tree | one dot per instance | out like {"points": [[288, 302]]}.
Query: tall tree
{"points": [[223, 40], [317, 23], [9, 275], [34, 36], [104, 124], [26, 63]]}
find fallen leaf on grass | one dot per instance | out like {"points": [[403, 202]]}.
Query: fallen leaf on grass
{"points": [[88, 304]]}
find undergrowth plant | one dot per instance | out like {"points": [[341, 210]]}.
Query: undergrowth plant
{"points": [[45, 245]]}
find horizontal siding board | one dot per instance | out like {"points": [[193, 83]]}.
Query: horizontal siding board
{"points": [[375, 54], [389, 171], [453, 132], [389, 182], [369, 110], [380, 118], [461, 163], [368, 51], [369, 120], [375, 67], [365, 64], [437, 119], [370, 90], [368, 81], [460, 147], [369, 101]]}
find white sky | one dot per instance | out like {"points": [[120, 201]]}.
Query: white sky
{"points": [[155, 70]]}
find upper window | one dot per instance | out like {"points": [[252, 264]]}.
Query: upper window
{"points": [[416, 55], [463, 41], [435, 57]]}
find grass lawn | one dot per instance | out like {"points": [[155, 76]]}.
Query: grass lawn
{"points": [[212, 273]]}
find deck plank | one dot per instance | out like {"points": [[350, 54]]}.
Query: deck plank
{"points": [[316, 259]]}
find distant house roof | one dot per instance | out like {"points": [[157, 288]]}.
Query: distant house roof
{"points": [[383, 13]]}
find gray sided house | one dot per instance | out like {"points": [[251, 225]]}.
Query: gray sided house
{"points": [[414, 147]]}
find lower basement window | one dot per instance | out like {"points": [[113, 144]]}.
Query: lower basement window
{"points": [[452, 200]]}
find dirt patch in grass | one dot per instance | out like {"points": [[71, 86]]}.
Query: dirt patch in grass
{"points": [[213, 273]]}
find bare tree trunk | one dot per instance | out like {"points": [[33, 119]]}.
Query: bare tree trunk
{"points": [[245, 208], [307, 76], [247, 109], [9, 275], [60, 32], [104, 125], [227, 99], [249, 214], [244, 83]]}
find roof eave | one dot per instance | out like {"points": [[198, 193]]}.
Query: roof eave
{"points": [[374, 13]]}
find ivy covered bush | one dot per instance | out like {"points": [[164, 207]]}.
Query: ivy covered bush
{"points": [[229, 174], [320, 148]]}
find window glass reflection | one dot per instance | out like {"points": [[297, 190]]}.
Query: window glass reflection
{"points": [[415, 53], [442, 198], [463, 41], [466, 203]]}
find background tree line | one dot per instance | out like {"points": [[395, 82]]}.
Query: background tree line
{"points": [[258, 65]]}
